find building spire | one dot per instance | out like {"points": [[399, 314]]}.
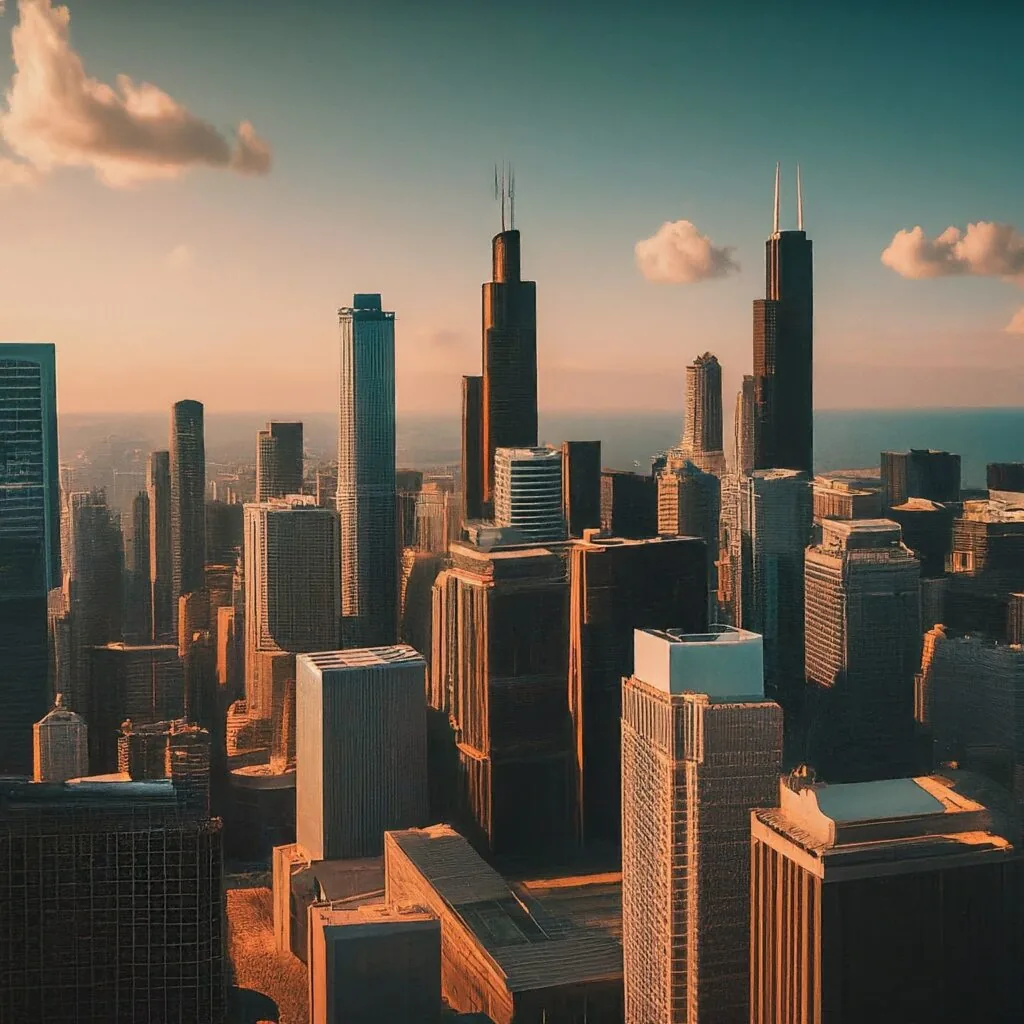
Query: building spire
{"points": [[799, 201], [775, 218]]}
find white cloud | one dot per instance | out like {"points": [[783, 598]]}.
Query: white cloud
{"points": [[1016, 324], [180, 257], [57, 116], [12, 173], [985, 249], [679, 254]]}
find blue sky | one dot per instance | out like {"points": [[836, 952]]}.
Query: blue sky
{"points": [[384, 121]]}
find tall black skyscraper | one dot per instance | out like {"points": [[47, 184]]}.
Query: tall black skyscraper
{"points": [[784, 349], [30, 562], [158, 485], [188, 501]]}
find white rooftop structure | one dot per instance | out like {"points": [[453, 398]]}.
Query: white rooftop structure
{"points": [[726, 664], [363, 657]]}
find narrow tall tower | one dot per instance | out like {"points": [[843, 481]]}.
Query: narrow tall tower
{"points": [[158, 480], [188, 501], [702, 420], [366, 474], [784, 350]]}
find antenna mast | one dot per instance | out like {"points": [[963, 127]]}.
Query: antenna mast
{"points": [[799, 201], [775, 217]]}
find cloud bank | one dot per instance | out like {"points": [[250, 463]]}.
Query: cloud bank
{"points": [[985, 249], [679, 254], [57, 116]]}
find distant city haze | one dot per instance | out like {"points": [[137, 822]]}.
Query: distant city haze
{"points": [[844, 439]]}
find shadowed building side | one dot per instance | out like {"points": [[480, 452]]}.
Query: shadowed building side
{"points": [[188, 502]]}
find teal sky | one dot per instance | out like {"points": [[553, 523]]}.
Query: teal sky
{"points": [[385, 119]]}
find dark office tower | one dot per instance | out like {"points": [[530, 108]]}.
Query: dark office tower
{"points": [[863, 642], [889, 902], [919, 473], [138, 607], [784, 350], [1005, 476], [224, 532], [278, 461], [928, 531], [581, 485], [158, 482], [509, 387], [408, 484], [137, 931], [775, 524], [96, 586], [472, 447], [629, 504], [743, 428], [701, 748], [616, 586], [30, 556], [188, 501], [366, 474], [702, 417]]}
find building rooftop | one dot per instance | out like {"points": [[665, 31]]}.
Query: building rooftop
{"points": [[540, 454], [992, 512], [920, 505], [531, 947], [60, 715], [725, 663], [779, 474], [363, 657]]}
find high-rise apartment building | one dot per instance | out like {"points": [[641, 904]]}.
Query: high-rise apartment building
{"points": [[889, 901], [743, 427], [784, 350], [30, 552], [293, 591], [581, 485], [615, 587], [701, 748], [776, 528], [366, 474], [60, 745], [188, 501], [863, 644], [702, 417], [158, 486], [279, 462], [528, 492], [361, 749], [919, 473], [111, 905]]}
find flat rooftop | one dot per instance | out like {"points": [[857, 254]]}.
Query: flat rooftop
{"points": [[364, 657]]}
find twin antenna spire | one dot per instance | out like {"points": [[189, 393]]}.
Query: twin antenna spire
{"points": [[799, 202], [505, 191]]}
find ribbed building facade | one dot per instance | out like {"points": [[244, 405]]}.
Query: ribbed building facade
{"points": [[158, 487], [776, 528], [863, 644], [366, 474], [528, 492], [279, 461], [60, 745], [188, 501], [30, 553], [361, 749], [890, 902], [701, 748], [293, 590], [743, 427], [702, 417], [615, 587]]}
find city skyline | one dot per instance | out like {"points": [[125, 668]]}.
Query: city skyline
{"points": [[245, 260]]}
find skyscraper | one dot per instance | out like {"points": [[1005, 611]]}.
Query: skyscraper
{"points": [[890, 901], [863, 642], [702, 418], [361, 749], [30, 556], [188, 501], [138, 603], [581, 485], [158, 477], [508, 391], [743, 427], [278, 461], [784, 349], [366, 474], [701, 748], [472, 447], [528, 492], [292, 594], [919, 473]]}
